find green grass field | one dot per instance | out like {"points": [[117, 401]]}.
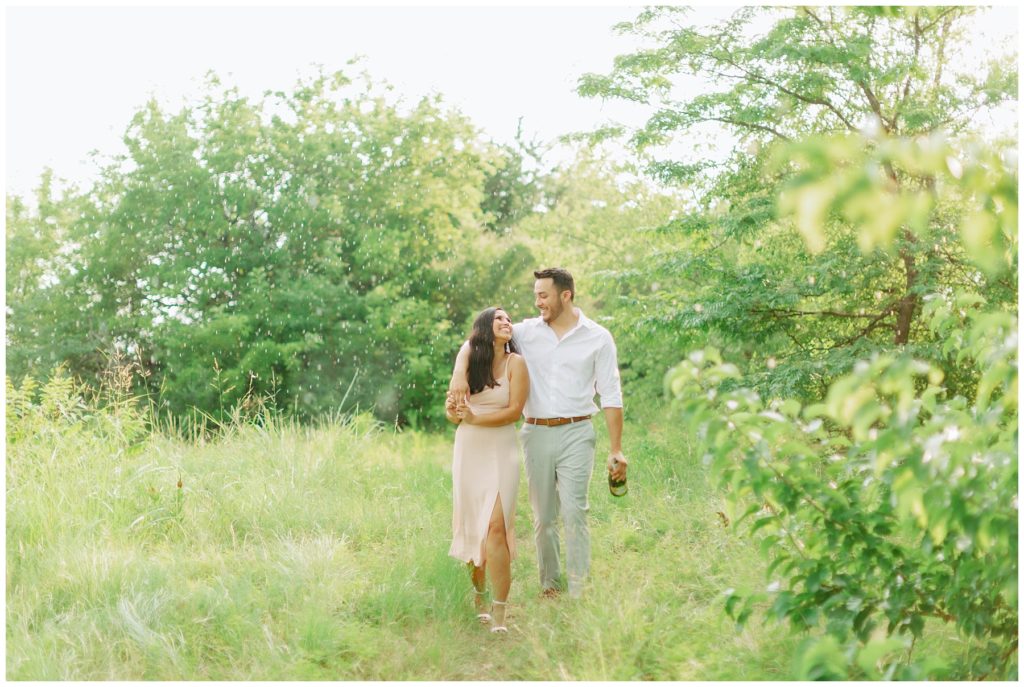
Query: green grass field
{"points": [[294, 552]]}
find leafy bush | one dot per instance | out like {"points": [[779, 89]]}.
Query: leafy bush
{"points": [[894, 499]]}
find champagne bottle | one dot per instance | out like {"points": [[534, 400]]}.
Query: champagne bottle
{"points": [[615, 486]]}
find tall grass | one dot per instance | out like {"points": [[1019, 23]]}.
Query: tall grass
{"points": [[277, 551]]}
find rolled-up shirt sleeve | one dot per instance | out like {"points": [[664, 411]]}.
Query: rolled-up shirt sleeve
{"points": [[607, 381]]}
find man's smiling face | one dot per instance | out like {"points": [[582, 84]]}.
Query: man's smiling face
{"points": [[547, 299]]}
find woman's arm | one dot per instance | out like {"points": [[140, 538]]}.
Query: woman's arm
{"points": [[519, 389]]}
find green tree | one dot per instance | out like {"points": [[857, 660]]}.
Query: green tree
{"points": [[45, 324], [603, 223], [516, 187], [311, 247], [800, 313], [856, 254]]}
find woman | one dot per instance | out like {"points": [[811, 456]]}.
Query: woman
{"points": [[485, 471]]}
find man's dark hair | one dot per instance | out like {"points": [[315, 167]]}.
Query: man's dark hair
{"points": [[562, 279]]}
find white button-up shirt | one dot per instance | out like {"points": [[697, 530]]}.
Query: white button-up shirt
{"points": [[565, 374]]}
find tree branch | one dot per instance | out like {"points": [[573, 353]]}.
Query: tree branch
{"points": [[875, 105], [874, 324], [831, 313], [939, 17], [749, 125], [910, 72], [816, 18], [940, 58], [761, 78]]}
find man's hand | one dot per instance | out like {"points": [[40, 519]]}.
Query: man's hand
{"points": [[458, 389], [465, 413], [617, 464], [450, 407]]}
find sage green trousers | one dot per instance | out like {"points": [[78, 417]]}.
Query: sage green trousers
{"points": [[559, 465]]}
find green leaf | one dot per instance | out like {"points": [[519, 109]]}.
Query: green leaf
{"points": [[876, 654], [982, 239], [821, 659]]}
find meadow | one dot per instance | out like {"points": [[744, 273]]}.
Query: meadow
{"points": [[274, 551], [832, 306]]}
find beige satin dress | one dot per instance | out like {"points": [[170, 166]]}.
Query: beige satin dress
{"points": [[486, 464]]}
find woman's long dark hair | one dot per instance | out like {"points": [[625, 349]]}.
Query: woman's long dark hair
{"points": [[481, 351]]}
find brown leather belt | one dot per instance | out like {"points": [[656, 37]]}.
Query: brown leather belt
{"points": [[555, 421]]}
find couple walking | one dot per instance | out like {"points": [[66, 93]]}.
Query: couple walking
{"points": [[548, 369]]}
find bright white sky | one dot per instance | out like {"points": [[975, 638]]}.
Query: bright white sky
{"points": [[75, 75]]}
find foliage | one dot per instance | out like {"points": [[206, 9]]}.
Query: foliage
{"points": [[849, 269], [798, 313], [319, 247], [517, 187], [39, 245], [895, 497], [861, 212], [603, 221]]}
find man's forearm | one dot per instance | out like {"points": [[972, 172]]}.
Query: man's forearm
{"points": [[613, 418], [461, 364]]}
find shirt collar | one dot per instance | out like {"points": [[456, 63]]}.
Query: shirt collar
{"points": [[584, 320]]}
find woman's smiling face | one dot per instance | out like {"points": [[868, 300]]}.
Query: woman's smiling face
{"points": [[502, 326]]}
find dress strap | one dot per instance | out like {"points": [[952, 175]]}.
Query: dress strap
{"points": [[508, 357]]}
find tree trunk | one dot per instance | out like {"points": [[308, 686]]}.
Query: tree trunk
{"points": [[908, 304]]}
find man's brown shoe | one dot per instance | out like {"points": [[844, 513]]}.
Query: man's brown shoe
{"points": [[550, 593]]}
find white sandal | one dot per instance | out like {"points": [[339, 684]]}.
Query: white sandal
{"points": [[499, 629], [482, 617]]}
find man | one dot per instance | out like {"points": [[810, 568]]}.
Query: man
{"points": [[569, 357]]}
